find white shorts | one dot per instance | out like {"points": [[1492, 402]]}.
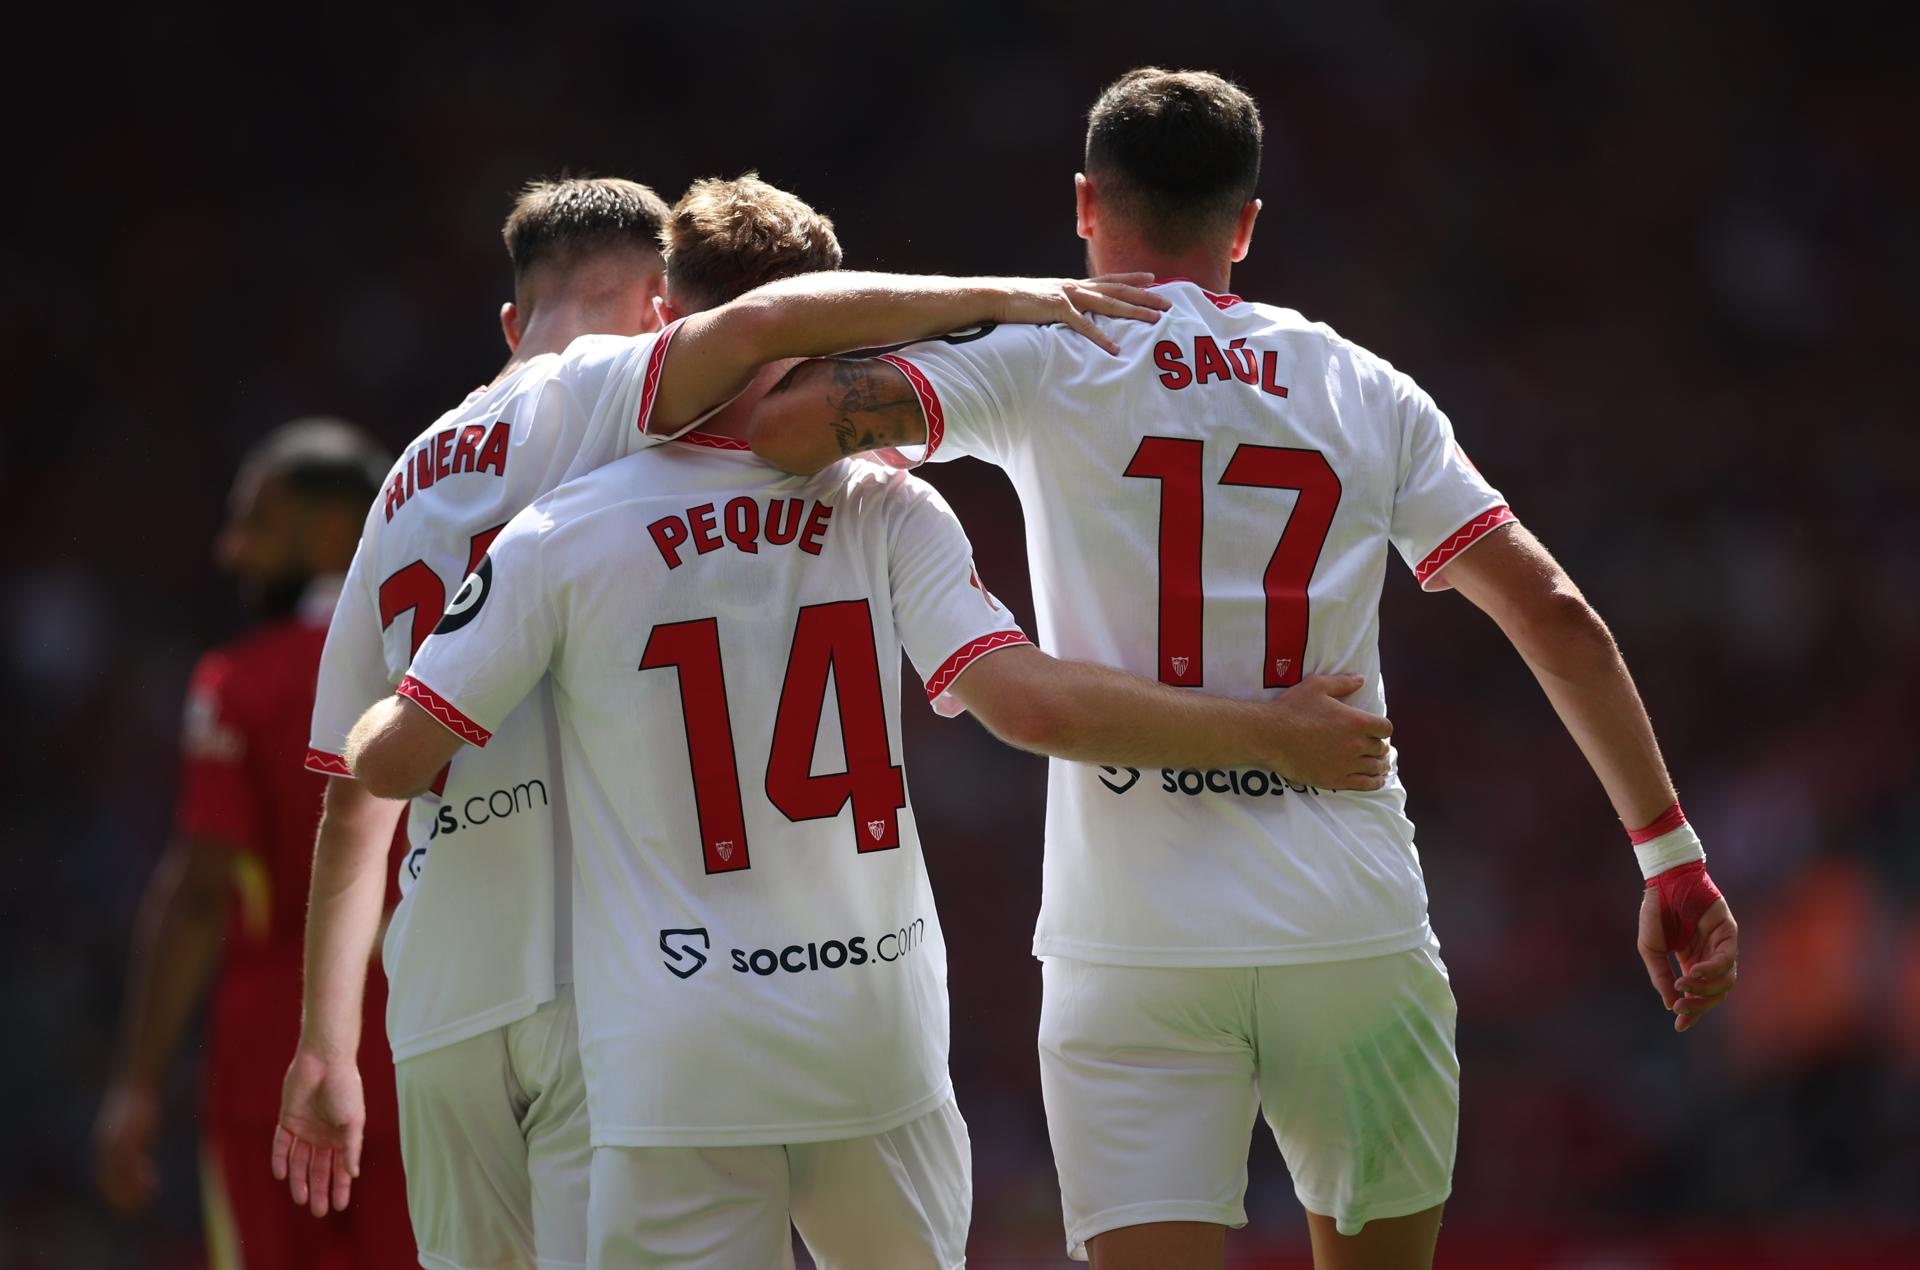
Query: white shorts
{"points": [[899, 1200], [1152, 1077], [493, 1130]]}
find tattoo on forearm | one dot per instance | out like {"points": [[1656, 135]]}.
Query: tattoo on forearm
{"points": [[872, 408]]}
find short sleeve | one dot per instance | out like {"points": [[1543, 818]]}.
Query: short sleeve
{"points": [[602, 395], [973, 386], [496, 639], [944, 614], [1441, 505], [216, 796], [353, 670]]}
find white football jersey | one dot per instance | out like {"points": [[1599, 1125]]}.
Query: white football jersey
{"points": [[757, 957], [1213, 508], [481, 939]]}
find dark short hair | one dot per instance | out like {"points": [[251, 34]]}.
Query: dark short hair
{"points": [[1177, 153], [560, 221], [319, 460], [724, 238]]}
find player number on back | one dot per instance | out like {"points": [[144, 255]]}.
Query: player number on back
{"points": [[834, 639], [416, 586], [1175, 462]]}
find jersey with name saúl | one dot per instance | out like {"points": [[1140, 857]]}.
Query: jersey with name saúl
{"points": [[757, 957], [480, 940], [1213, 508]]}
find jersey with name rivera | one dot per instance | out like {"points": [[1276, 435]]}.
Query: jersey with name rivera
{"points": [[481, 938]]}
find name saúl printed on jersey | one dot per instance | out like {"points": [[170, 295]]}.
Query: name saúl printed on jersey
{"points": [[1208, 362]]}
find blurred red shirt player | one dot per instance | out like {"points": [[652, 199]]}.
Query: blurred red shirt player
{"points": [[231, 889]]}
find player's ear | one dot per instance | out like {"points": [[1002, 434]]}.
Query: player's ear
{"points": [[510, 325], [656, 292], [1243, 231], [1082, 205]]}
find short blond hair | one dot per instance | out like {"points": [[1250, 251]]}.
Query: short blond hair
{"points": [[724, 238], [562, 222]]}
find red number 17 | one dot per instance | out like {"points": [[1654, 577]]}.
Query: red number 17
{"points": [[1175, 463]]}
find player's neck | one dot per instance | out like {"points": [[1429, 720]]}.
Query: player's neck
{"points": [[1208, 266], [552, 327], [549, 332]]}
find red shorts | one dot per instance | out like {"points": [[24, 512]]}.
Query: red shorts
{"points": [[253, 1225]]}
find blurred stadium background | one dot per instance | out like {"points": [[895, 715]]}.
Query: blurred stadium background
{"points": [[1656, 265]]}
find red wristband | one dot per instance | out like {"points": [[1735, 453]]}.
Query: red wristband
{"points": [[1686, 893], [1669, 820]]}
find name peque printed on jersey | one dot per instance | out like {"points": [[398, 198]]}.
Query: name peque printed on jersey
{"points": [[743, 525]]}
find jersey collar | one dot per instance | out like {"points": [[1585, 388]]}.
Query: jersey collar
{"points": [[1219, 301]]}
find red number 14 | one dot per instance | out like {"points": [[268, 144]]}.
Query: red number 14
{"points": [[827, 638]]}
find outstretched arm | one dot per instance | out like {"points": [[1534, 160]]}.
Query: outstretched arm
{"points": [[1089, 713], [316, 1146], [823, 411], [176, 945], [1513, 579], [715, 353]]}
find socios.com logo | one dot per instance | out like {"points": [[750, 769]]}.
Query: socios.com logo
{"points": [[1119, 784], [686, 950]]}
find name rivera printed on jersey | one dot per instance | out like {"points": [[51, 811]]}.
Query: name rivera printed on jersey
{"points": [[473, 447], [686, 951]]}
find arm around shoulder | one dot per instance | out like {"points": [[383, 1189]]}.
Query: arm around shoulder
{"points": [[823, 411], [1087, 713]]}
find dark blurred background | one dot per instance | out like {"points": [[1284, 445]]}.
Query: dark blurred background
{"points": [[1656, 263]]}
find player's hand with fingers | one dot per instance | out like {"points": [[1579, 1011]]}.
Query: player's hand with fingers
{"points": [[1684, 918], [123, 1146], [1320, 740], [323, 1122], [1074, 304]]}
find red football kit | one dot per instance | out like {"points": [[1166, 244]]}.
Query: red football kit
{"points": [[243, 784]]}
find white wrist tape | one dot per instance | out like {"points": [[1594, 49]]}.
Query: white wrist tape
{"points": [[1674, 847]]}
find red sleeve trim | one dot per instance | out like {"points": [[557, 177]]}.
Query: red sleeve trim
{"points": [[443, 711], [713, 440], [1459, 540], [967, 655], [650, 382], [326, 764], [1669, 820], [929, 401]]}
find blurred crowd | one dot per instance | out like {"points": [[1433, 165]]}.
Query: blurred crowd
{"points": [[1655, 268]]}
